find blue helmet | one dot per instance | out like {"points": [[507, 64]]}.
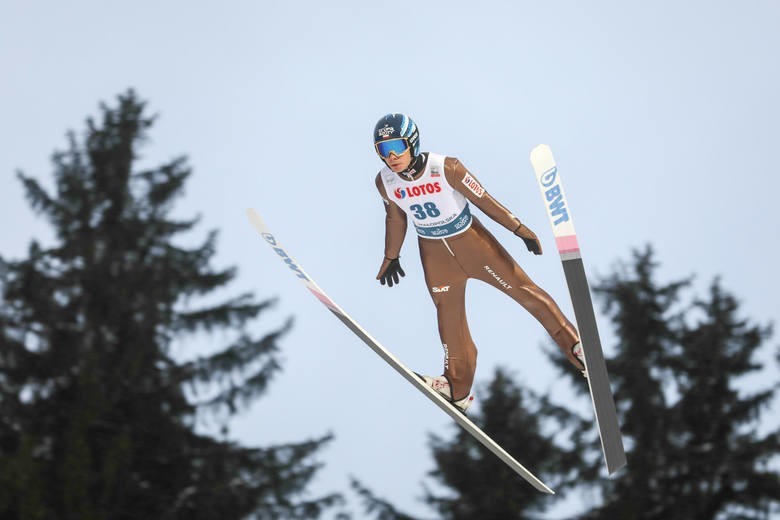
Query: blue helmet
{"points": [[395, 126]]}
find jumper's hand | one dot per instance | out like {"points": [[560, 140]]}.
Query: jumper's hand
{"points": [[530, 239], [388, 273]]}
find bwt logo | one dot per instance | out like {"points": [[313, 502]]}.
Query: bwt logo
{"points": [[287, 260], [555, 202], [416, 191]]}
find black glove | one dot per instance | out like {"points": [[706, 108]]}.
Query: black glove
{"points": [[388, 273], [530, 239], [532, 245]]}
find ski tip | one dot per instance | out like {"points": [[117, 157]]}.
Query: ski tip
{"points": [[539, 149], [547, 490], [616, 466], [257, 222], [254, 218]]}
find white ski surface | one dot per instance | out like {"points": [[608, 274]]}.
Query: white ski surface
{"points": [[399, 367], [568, 247]]}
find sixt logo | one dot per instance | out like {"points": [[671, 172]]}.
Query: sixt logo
{"points": [[555, 202], [443, 288], [416, 191], [287, 260]]}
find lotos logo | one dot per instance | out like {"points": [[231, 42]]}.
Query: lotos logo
{"points": [[473, 186], [387, 131], [416, 191], [269, 238], [443, 288], [556, 204]]}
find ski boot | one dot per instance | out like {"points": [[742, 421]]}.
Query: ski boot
{"points": [[442, 386], [580, 355]]}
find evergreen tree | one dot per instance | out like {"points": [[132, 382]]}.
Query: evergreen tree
{"points": [[375, 507], [97, 419], [691, 429], [694, 452], [477, 484]]}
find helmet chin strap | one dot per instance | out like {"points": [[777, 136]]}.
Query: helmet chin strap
{"points": [[413, 165]]}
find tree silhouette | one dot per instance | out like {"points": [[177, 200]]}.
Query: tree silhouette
{"points": [[695, 452], [479, 486], [96, 416], [523, 423], [689, 415]]}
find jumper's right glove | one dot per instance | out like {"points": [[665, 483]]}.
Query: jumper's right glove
{"points": [[389, 271], [530, 239]]}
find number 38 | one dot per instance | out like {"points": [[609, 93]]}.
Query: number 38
{"points": [[428, 209]]}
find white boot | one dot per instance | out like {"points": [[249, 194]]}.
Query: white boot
{"points": [[442, 386], [580, 355]]}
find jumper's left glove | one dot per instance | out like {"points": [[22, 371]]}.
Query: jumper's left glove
{"points": [[389, 271], [529, 237]]}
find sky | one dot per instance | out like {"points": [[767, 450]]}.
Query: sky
{"points": [[663, 117]]}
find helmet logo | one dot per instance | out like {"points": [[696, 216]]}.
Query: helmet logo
{"points": [[386, 131]]}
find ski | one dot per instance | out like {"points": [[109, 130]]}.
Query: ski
{"points": [[391, 360], [568, 247]]}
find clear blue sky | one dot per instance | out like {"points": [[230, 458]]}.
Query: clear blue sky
{"points": [[663, 117]]}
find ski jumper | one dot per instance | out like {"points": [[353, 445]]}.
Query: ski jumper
{"points": [[454, 246]]}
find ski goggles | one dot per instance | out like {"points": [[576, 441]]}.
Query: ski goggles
{"points": [[396, 146]]}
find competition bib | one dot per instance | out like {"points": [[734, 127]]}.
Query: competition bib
{"points": [[433, 206]]}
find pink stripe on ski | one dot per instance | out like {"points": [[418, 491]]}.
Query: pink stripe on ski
{"points": [[567, 244], [324, 299]]}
